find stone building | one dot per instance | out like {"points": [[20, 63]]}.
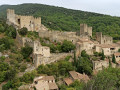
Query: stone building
{"points": [[100, 64], [117, 57], [30, 22], [78, 76], [85, 30], [103, 39], [109, 49], [84, 44], [44, 83]]}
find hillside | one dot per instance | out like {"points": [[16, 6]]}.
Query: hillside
{"points": [[58, 18]]}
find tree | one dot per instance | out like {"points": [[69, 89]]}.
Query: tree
{"points": [[10, 74], [2, 29], [28, 77], [26, 51], [109, 62], [11, 32], [113, 58], [102, 55], [75, 60], [118, 50], [23, 31], [84, 65], [84, 54], [67, 46], [108, 79]]}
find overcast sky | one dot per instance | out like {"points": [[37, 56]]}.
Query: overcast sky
{"points": [[110, 7]]}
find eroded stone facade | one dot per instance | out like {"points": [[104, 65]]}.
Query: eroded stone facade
{"points": [[30, 22]]}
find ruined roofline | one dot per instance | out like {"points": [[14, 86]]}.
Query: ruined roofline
{"points": [[13, 11], [103, 34]]}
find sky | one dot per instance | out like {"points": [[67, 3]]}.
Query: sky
{"points": [[109, 7]]}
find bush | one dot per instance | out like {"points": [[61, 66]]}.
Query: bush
{"points": [[23, 68], [26, 51], [2, 58], [28, 77], [23, 31], [67, 46], [11, 32]]}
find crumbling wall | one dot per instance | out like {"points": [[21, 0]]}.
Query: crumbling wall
{"points": [[103, 39]]}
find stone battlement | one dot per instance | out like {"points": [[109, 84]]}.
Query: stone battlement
{"points": [[30, 22]]}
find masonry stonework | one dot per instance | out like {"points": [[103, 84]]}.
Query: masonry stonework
{"points": [[30, 22], [103, 39]]}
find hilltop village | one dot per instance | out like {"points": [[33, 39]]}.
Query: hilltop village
{"points": [[82, 39]]}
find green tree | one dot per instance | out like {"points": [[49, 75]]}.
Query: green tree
{"points": [[102, 55], [26, 51], [23, 31], [28, 77], [11, 32], [113, 58], [67, 46], [84, 65], [108, 79], [2, 29]]}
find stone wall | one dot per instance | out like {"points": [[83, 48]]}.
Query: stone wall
{"points": [[99, 65], [84, 29], [39, 59], [31, 23], [103, 39]]}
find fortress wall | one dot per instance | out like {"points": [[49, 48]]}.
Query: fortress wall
{"points": [[11, 15], [37, 23], [99, 37], [90, 31], [107, 39], [27, 21], [83, 28], [103, 39]]}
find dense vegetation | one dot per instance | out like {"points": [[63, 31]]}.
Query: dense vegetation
{"points": [[58, 18]]}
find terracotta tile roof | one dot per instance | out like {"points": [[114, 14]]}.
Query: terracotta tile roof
{"points": [[52, 86], [84, 40], [68, 81], [48, 78], [117, 54], [78, 76], [108, 45]]}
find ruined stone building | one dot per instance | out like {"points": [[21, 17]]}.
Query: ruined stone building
{"points": [[85, 30], [44, 83], [84, 44], [82, 40], [103, 39], [100, 64], [30, 22]]}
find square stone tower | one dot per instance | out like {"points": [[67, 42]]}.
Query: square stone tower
{"points": [[30, 22], [85, 30]]}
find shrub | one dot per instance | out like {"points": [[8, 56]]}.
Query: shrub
{"points": [[26, 51], [67, 46], [23, 31]]}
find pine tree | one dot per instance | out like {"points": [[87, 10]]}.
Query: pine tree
{"points": [[102, 55], [75, 62], [109, 62], [113, 58]]}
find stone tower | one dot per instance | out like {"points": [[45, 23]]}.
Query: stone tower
{"points": [[103, 39], [31, 23], [85, 30], [10, 15]]}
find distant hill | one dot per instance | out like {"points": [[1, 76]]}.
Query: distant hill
{"points": [[58, 18]]}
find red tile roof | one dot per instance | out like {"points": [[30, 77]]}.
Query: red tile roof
{"points": [[68, 81], [78, 76]]}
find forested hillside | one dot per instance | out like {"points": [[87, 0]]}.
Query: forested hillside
{"points": [[58, 18]]}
